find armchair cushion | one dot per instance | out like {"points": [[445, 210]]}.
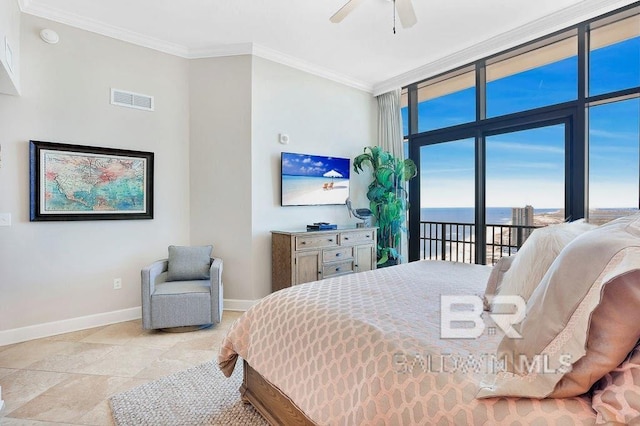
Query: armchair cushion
{"points": [[189, 263]]}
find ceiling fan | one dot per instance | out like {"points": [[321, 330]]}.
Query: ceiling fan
{"points": [[404, 8]]}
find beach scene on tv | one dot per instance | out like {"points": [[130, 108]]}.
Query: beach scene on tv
{"points": [[314, 179]]}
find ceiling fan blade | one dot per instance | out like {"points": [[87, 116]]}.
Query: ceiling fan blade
{"points": [[345, 10], [406, 13]]}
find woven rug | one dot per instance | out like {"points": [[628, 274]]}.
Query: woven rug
{"points": [[198, 396]]}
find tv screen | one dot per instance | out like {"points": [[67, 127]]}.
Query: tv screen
{"points": [[311, 180]]}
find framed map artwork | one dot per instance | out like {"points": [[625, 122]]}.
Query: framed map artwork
{"points": [[74, 182]]}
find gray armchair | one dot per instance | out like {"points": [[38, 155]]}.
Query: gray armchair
{"points": [[169, 304]]}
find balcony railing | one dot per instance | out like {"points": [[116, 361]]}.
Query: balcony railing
{"points": [[455, 241]]}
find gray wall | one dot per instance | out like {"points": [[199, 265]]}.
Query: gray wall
{"points": [[55, 271], [321, 117], [215, 137], [220, 90]]}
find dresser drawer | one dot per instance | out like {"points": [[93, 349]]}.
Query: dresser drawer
{"points": [[333, 255], [361, 237], [337, 268], [316, 241]]}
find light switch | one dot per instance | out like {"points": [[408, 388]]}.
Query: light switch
{"points": [[5, 219]]}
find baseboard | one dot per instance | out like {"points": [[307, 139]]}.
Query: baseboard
{"points": [[238, 304], [37, 331]]}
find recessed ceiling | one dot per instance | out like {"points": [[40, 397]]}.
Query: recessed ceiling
{"points": [[362, 50]]}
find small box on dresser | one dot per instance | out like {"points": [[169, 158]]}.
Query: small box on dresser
{"points": [[302, 256]]}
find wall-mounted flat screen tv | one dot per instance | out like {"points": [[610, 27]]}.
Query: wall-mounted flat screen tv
{"points": [[311, 180]]}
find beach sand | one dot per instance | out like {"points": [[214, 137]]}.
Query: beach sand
{"points": [[337, 195]]}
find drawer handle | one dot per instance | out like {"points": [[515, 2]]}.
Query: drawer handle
{"points": [[346, 238], [367, 236], [303, 243], [337, 269], [338, 254], [319, 272], [330, 240]]}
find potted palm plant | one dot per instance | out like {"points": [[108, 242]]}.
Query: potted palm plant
{"points": [[388, 199]]}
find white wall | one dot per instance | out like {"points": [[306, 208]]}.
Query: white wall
{"points": [[9, 35], [321, 117], [220, 96], [55, 271]]}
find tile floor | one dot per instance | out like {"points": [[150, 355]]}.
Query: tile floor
{"points": [[67, 379]]}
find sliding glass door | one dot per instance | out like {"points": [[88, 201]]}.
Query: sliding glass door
{"points": [[525, 186], [447, 206]]}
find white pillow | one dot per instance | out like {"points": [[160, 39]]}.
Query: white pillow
{"points": [[536, 256]]}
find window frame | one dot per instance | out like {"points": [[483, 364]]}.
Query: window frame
{"points": [[572, 113]]}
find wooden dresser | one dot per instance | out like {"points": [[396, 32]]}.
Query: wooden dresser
{"points": [[303, 256]]}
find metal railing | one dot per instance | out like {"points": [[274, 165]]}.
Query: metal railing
{"points": [[455, 241]]}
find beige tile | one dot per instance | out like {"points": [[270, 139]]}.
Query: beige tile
{"points": [[116, 334], [157, 339], [24, 354], [5, 347], [70, 400], [123, 361], [74, 357], [99, 416], [9, 421], [24, 385], [112, 353], [6, 372], [176, 360], [75, 335], [209, 341]]}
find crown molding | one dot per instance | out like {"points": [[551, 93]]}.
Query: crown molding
{"points": [[99, 27], [556, 21], [221, 50], [293, 62]]}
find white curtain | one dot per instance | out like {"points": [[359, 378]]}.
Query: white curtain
{"points": [[390, 123], [390, 138]]}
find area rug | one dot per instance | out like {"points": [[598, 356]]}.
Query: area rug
{"points": [[198, 396]]}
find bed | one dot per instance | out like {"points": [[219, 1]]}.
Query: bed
{"points": [[368, 348]]}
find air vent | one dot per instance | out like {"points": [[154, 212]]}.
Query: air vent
{"points": [[131, 100]]}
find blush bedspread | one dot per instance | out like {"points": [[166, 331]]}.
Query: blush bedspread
{"points": [[366, 349]]}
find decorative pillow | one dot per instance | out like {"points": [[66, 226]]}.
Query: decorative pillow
{"points": [[616, 397], [189, 263], [536, 256], [495, 280], [601, 267]]}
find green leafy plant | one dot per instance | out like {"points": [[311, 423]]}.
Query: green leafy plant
{"points": [[388, 199]]}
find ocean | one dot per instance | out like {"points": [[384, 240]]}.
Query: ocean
{"points": [[495, 215]]}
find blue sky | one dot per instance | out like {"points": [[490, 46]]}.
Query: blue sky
{"points": [[313, 165], [527, 167]]}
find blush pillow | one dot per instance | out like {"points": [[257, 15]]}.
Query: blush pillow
{"points": [[616, 397], [581, 321], [189, 263], [536, 255]]}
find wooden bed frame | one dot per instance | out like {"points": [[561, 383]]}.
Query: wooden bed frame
{"points": [[274, 406]]}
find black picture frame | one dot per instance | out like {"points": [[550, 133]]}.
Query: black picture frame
{"points": [[79, 182]]}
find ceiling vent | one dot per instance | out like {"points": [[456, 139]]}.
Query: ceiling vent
{"points": [[131, 100]]}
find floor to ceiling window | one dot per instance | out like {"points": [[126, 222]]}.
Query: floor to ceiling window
{"points": [[525, 186], [543, 76], [447, 175], [538, 134], [614, 175]]}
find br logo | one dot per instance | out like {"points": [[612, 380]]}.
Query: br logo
{"points": [[461, 316]]}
